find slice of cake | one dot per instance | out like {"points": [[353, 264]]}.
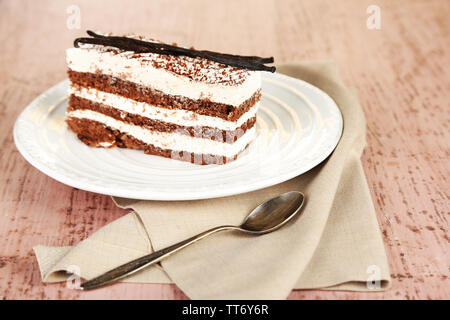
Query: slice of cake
{"points": [[184, 104]]}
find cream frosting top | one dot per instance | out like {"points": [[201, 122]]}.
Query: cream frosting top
{"points": [[194, 78]]}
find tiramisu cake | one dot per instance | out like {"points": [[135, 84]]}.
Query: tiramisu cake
{"points": [[179, 103]]}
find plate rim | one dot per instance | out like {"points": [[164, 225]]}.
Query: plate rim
{"points": [[167, 196]]}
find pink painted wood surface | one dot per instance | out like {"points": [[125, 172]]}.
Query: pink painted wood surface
{"points": [[400, 71]]}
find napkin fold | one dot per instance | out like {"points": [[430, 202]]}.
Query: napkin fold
{"points": [[335, 243]]}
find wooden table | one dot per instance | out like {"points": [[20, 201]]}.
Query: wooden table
{"points": [[401, 72]]}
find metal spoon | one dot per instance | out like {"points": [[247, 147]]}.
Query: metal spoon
{"points": [[265, 218]]}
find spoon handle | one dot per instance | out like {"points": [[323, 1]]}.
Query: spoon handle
{"points": [[147, 260]]}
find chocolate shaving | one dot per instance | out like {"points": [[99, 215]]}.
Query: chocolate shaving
{"points": [[139, 46]]}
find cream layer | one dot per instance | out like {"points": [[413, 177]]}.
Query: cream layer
{"points": [[176, 141], [179, 117], [141, 71]]}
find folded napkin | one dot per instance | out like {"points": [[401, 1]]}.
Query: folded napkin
{"points": [[335, 244]]}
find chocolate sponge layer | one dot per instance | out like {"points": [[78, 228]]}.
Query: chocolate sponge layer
{"points": [[95, 134], [151, 96], [78, 103]]}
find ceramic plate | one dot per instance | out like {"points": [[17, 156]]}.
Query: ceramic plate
{"points": [[298, 126]]}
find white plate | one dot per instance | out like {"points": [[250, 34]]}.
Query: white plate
{"points": [[298, 126]]}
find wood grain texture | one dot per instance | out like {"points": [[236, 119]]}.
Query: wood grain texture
{"points": [[400, 71]]}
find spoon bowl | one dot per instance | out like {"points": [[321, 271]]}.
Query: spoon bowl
{"points": [[272, 214]]}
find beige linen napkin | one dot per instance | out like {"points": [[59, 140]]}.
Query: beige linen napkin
{"points": [[335, 244]]}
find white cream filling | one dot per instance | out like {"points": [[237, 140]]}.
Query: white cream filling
{"points": [[143, 73], [105, 144], [179, 117], [173, 140]]}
